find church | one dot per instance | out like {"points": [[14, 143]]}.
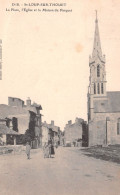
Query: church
{"points": [[103, 106]]}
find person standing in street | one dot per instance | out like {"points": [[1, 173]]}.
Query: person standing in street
{"points": [[28, 148], [51, 148], [46, 150]]}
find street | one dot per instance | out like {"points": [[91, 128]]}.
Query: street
{"points": [[70, 172]]}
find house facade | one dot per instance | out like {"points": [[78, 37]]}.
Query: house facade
{"points": [[103, 106], [51, 131], [25, 116], [47, 133], [7, 134], [73, 132]]}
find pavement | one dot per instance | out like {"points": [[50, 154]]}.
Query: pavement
{"points": [[69, 173]]}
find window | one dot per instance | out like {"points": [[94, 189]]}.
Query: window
{"points": [[102, 90], [98, 71], [98, 88], [118, 127], [94, 88]]}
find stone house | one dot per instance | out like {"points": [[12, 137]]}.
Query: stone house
{"points": [[51, 131], [7, 134], [47, 133], [60, 138], [25, 117], [55, 130], [73, 132], [103, 106]]}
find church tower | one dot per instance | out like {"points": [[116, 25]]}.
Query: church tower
{"points": [[97, 79]]}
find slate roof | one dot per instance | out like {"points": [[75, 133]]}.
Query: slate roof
{"points": [[111, 104]]}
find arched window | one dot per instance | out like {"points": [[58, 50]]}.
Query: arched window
{"points": [[102, 90], [98, 88], [118, 126], [94, 88], [98, 71]]}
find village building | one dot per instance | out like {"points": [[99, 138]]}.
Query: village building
{"points": [[103, 106], [73, 133], [55, 129], [60, 137], [47, 133], [7, 134], [51, 131], [24, 117]]}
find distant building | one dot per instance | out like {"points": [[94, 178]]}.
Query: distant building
{"points": [[73, 132], [47, 133], [55, 129], [51, 131], [25, 117], [103, 106]]}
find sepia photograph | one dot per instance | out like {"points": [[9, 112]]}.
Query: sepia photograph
{"points": [[60, 97]]}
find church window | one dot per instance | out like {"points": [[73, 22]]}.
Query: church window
{"points": [[102, 90], [98, 71], [118, 127], [98, 88], [94, 88]]}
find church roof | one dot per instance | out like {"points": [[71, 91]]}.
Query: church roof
{"points": [[110, 104]]}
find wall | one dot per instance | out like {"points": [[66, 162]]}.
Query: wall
{"points": [[23, 121], [103, 131], [15, 101], [73, 132], [45, 135]]}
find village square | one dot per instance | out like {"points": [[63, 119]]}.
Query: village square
{"points": [[37, 157]]}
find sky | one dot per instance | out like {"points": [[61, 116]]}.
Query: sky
{"points": [[45, 55]]}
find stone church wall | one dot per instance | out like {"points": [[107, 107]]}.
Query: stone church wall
{"points": [[103, 129]]}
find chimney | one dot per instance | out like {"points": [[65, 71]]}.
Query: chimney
{"points": [[28, 102], [78, 120], [52, 123], [70, 122]]}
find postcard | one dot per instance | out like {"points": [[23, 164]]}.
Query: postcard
{"points": [[59, 97]]}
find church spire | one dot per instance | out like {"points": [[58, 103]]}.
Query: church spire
{"points": [[97, 45]]}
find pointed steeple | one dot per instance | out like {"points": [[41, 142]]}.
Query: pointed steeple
{"points": [[97, 45]]}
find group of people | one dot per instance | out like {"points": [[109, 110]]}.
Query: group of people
{"points": [[48, 149]]}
